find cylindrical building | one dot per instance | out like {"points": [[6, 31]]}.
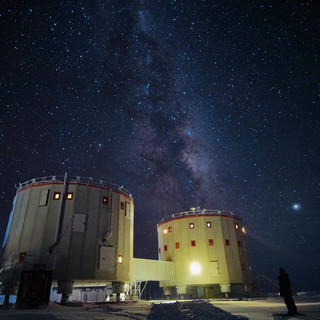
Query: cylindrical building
{"points": [[209, 254], [80, 229]]}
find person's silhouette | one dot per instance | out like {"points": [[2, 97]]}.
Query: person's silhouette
{"points": [[285, 292]]}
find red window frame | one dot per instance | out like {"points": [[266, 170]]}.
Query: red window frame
{"points": [[210, 242], [122, 205], [165, 247], [209, 224], [170, 229], [22, 257], [191, 225], [69, 196], [56, 194], [177, 245], [105, 200], [193, 243]]}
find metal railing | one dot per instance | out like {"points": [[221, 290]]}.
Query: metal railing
{"points": [[76, 179], [197, 213]]}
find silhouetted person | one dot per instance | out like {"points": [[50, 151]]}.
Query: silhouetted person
{"points": [[285, 292]]}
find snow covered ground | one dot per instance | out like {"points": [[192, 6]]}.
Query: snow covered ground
{"points": [[252, 309]]}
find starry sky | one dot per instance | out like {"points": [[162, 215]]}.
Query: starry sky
{"points": [[185, 103]]}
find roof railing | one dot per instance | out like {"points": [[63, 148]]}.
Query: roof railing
{"points": [[197, 213], [76, 179]]}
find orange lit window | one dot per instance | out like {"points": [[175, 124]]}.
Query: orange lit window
{"points": [[56, 195], [210, 241], [227, 242], [236, 226], [165, 231], [177, 245], [191, 225], [243, 230], [22, 257], [208, 224], [193, 243], [170, 229], [120, 259], [239, 243], [165, 248], [105, 200], [122, 206], [69, 195]]}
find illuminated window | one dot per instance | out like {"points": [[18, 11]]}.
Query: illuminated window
{"points": [[191, 225], [69, 195], [177, 245], [22, 257], [243, 266], [56, 195], [236, 226], [193, 243], [210, 241], [227, 242], [121, 205], [165, 248], [105, 200], [239, 243], [165, 231], [243, 230], [120, 259], [208, 224], [170, 229]]}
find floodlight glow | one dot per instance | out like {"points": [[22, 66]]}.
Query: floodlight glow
{"points": [[195, 268]]}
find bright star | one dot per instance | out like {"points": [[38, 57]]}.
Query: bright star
{"points": [[296, 206]]}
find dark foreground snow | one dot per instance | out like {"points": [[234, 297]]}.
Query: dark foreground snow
{"points": [[190, 310], [221, 309]]}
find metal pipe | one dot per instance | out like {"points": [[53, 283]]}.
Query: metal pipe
{"points": [[60, 216]]}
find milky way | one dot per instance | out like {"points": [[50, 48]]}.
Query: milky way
{"points": [[185, 103]]}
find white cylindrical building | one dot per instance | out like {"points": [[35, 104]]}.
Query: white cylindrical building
{"points": [[209, 254], [79, 228]]}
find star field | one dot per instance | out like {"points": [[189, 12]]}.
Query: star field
{"points": [[186, 103]]}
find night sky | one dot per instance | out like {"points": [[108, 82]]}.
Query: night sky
{"points": [[185, 103]]}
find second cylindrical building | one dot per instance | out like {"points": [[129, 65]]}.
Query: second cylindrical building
{"points": [[208, 248]]}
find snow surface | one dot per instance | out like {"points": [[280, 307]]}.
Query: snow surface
{"points": [[139, 310], [272, 308]]}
